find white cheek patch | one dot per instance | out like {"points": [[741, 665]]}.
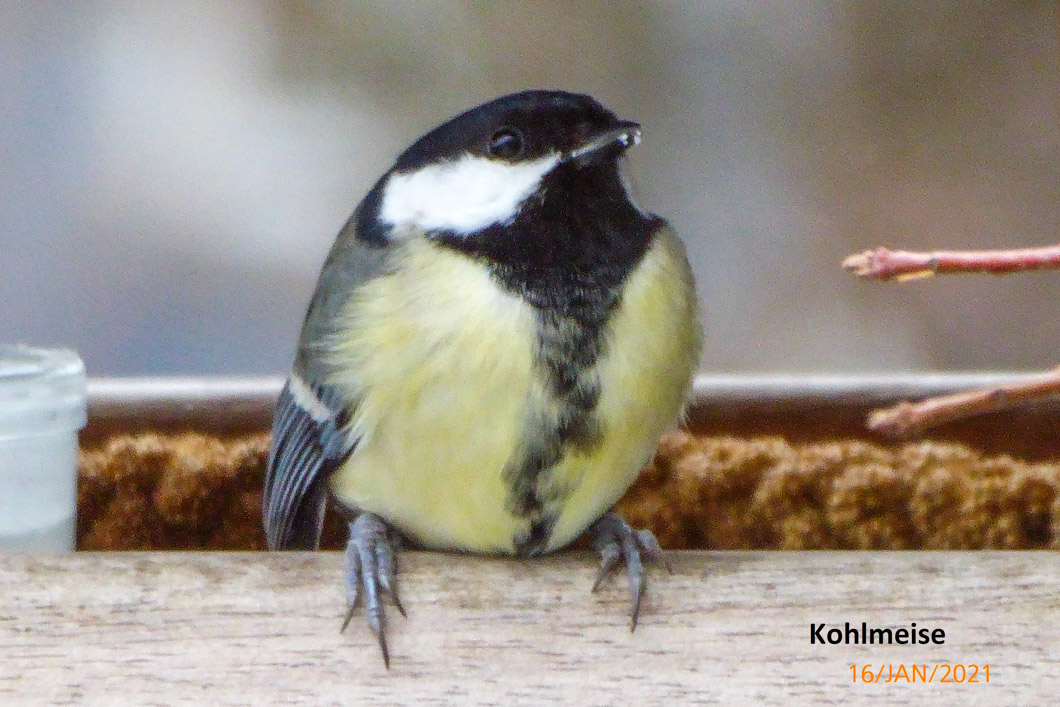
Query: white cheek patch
{"points": [[463, 195]]}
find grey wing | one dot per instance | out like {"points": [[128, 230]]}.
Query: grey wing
{"points": [[308, 443], [308, 436]]}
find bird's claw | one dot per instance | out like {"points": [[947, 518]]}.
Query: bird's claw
{"points": [[370, 572], [614, 540]]}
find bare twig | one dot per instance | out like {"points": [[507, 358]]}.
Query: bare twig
{"points": [[884, 264], [911, 418]]}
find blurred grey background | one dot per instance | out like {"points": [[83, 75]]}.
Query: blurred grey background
{"points": [[172, 174]]}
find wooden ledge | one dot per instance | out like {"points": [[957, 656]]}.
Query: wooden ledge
{"points": [[728, 627]]}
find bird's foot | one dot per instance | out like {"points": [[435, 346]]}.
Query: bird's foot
{"points": [[370, 569], [614, 540]]}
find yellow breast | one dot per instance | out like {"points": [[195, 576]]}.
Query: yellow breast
{"points": [[441, 359], [443, 362]]}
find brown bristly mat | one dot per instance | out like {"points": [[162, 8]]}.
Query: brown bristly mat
{"points": [[191, 491]]}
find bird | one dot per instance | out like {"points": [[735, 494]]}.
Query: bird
{"points": [[498, 338]]}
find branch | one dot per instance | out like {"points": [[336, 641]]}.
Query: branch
{"points": [[884, 264], [910, 418]]}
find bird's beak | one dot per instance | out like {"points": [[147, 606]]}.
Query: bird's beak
{"points": [[606, 145]]}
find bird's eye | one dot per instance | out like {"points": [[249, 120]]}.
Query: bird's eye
{"points": [[506, 143]]}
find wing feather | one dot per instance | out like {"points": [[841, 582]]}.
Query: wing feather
{"points": [[308, 443]]}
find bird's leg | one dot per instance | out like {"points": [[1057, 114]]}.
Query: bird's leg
{"points": [[370, 568], [614, 540]]}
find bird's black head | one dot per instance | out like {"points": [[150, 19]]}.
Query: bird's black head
{"points": [[482, 168], [524, 127]]}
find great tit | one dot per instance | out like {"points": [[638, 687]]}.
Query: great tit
{"points": [[497, 340]]}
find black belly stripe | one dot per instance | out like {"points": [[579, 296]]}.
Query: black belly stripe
{"points": [[568, 362], [534, 542]]}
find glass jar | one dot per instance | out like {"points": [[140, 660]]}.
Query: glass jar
{"points": [[42, 406]]}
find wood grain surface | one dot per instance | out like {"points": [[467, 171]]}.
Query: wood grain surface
{"points": [[726, 628]]}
